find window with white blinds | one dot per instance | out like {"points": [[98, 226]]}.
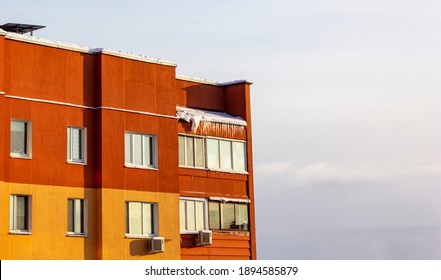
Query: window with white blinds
{"points": [[76, 144]]}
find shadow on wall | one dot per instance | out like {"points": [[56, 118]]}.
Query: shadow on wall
{"points": [[139, 247], [205, 97], [92, 171], [188, 241]]}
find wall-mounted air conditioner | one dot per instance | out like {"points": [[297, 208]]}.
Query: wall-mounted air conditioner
{"points": [[156, 245], [205, 237]]}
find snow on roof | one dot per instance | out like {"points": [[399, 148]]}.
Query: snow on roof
{"points": [[208, 82], [195, 116], [79, 48], [85, 49], [133, 56], [44, 42], [228, 199]]}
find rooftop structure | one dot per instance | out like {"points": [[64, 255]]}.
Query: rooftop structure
{"points": [[21, 28]]}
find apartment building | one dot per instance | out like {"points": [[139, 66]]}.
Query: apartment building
{"points": [[111, 155]]}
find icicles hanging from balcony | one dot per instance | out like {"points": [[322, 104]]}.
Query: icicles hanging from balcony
{"points": [[211, 121], [222, 129]]}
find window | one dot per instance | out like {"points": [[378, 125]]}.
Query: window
{"points": [[76, 144], [213, 153], [228, 216], [76, 216], [140, 218], [225, 154], [20, 139], [193, 213], [139, 150], [191, 151], [20, 213]]}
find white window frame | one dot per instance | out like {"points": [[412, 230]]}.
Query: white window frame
{"points": [[83, 144], [28, 127], [205, 218], [204, 150], [154, 220], [153, 151], [221, 217], [85, 218], [13, 214], [232, 169]]}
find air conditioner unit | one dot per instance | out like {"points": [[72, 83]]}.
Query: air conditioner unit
{"points": [[156, 245], [205, 237]]}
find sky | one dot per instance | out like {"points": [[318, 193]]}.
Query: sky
{"points": [[346, 107]]}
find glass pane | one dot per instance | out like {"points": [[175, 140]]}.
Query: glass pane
{"points": [[70, 215], [225, 151], [18, 137], [190, 151], [11, 212], [213, 153], [21, 213], [199, 152], [76, 135], [127, 148], [228, 221], [181, 150], [78, 216], [18, 126], [135, 226], [148, 144], [182, 215], [69, 144], [191, 219], [147, 218], [213, 209], [200, 215], [137, 149], [239, 156], [242, 216]]}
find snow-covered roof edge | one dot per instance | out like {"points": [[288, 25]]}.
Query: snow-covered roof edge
{"points": [[123, 54], [45, 42], [208, 82], [133, 56], [196, 116], [228, 199], [84, 49]]}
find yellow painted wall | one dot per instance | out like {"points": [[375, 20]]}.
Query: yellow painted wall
{"points": [[49, 238], [49, 224], [114, 244]]}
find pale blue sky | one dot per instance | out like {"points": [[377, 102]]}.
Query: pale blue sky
{"points": [[346, 107]]}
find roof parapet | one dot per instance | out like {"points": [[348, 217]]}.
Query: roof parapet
{"points": [[123, 54], [133, 56], [208, 82]]}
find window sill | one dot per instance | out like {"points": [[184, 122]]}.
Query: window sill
{"points": [[231, 232], [76, 235], [12, 155], [141, 167], [193, 232], [137, 236], [192, 167], [20, 232], [76, 162], [228, 171]]}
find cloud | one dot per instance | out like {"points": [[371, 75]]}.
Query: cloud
{"points": [[336, 210], [332, 172]]}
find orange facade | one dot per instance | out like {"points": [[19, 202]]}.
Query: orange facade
{"points": [[91, 163]]}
